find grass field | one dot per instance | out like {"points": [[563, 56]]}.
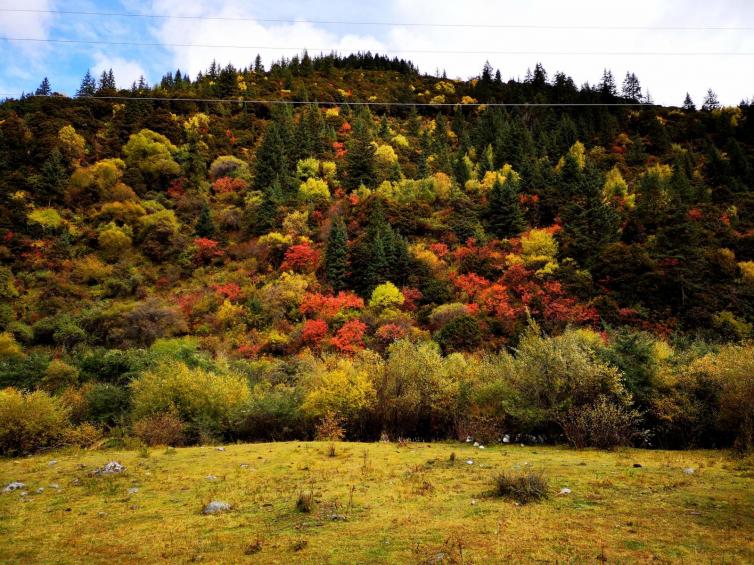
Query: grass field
{"points": [[377, 503]]}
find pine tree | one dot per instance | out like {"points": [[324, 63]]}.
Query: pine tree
{"points": [[88, 86], [360, 158], [107, 81], [589, 224], [607, 86], [384, 131], [504, 216], [205, 227], [688, 104], [710, 101], [336, 255], [267, 215], [414, 123], [44, 88], [272, 163], [632, 88]]}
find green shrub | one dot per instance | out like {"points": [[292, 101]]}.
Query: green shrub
{"points": [[106, 404], [461, 334], [554, 375], [30, 421], [59, 375], [209, 402], [523, 487]]}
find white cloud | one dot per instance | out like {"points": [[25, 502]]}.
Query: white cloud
{"points": [[126, 72], [667, 77], [29, 25], [274, 40]]}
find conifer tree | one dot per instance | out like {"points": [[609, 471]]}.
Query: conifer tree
{"points": [[589, 224], [44, 88], [360, 158], [711, 101], [258, 66], [632, 88], [336, 255], [271, 162], [504, 216], [205, 227], [88, 86], [688, 104]]}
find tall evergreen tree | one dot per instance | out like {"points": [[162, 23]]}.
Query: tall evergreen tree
{"points": [[271, 161], [360, 157], [205, 227], [88, 86], [632, 88], [44, 88], [589, 224], [711, 101], [504, 215], [336, 255], [688, 104]]}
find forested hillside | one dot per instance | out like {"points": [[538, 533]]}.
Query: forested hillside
{"points": [[411, 256]]}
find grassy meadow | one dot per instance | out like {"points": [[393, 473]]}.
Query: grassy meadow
{"points": [[376, 503]]}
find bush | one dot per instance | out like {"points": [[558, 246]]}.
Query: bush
{"points": [[160, 429], [106, 404], [59, 375], [558, 374], [209, 402], [605, 425], [461, 334], [30, 421], [529, 486]]}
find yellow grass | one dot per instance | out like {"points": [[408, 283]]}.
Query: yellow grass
{"points": [[403, 504]]}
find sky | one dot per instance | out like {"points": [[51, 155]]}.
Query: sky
{"points": [[23, 64]]}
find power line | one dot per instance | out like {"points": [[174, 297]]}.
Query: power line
{"points": [[383, 23], [333, 103], [432, 51]]}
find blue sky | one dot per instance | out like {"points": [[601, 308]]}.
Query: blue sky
{"points": [[23, 64]]}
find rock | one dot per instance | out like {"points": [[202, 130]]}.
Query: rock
{"points": [[24, 493], [53, 462], [216, 507], [468, 439], [469, 461], [506, 438], [133, 490], [476, 444], [219, 449], [111, 468], [481, 447], [637, 465], [40, 490], [244, 466], [56, 486], [15, 485], [473, 501], [522, 445], [338, 518], [211, 478], [689, 471], [564, 491]]}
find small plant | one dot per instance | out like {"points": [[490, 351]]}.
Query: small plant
{"points": [[330, 428], [253, 548], [331, 450], [452, 457], [526, 487], [305, 502], [299, 545]]}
